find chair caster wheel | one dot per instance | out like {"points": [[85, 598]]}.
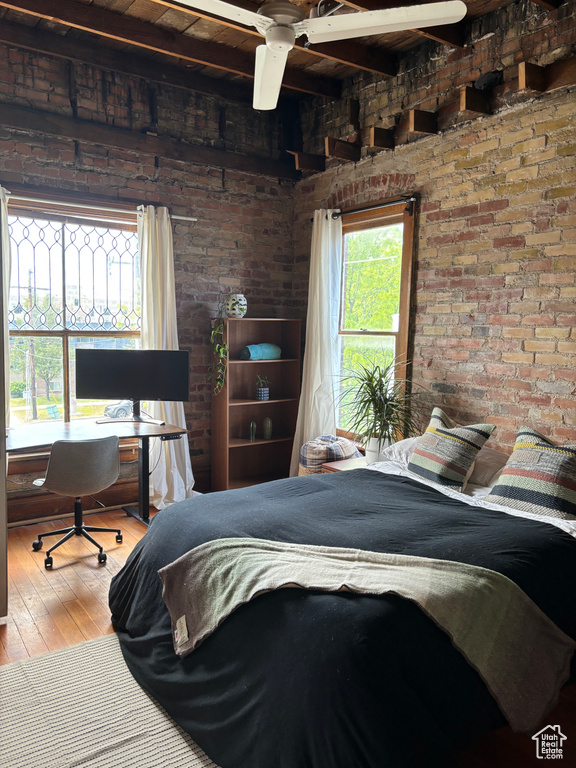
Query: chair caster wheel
{"points": [[37, 545], [119, 538], [101, 557], [48, 562]]}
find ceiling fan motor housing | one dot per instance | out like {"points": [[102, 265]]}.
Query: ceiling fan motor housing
{"points": [[280, 38], [282, 12]]}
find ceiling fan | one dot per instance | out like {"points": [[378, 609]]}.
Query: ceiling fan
{"points": [[281, 22]]}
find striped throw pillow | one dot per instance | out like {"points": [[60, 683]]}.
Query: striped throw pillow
{"points": [[539, 477], [446, 452]]}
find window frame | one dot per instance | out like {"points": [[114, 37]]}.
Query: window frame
{"points": [[80, 214], [387, 212]]}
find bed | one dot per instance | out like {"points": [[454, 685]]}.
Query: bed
{"points": [[326, 677]]}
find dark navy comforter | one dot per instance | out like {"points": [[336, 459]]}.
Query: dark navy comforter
{"points": [[300, 679]]}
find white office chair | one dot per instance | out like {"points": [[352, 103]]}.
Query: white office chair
{"points": [[80, 468]]}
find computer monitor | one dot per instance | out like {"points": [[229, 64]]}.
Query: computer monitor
{"points": [[133, 374]]}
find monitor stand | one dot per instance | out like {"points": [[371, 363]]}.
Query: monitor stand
{"points": [[135, 418]]}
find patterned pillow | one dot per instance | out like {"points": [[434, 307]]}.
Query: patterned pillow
{"points": [[322, 449], [539, 477], [446, 452]]}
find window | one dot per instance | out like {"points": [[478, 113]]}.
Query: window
{"points": [[375, 290], [75, 282]]}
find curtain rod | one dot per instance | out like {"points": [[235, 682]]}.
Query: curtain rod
{"points": [[410, 199], [97, 207]]}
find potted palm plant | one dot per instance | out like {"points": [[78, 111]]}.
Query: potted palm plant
{"points": [[378, 407]]}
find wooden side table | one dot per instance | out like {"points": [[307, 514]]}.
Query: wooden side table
{"points": [[343, 464]]}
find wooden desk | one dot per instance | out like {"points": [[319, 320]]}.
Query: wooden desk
{"points": [[30, 437], [343, 464]]}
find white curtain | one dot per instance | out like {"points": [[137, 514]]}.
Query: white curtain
{"points": [[5, 257], [5, 375], [171, 479], [317, 410]]}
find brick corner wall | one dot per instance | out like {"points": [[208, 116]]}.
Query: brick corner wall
{"points": [[494, 312]]}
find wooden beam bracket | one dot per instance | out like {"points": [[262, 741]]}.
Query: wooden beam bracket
{"points": [[420, 121], [304, 161], [559, 74], [382, 138], [473, 100], [341, 150]]}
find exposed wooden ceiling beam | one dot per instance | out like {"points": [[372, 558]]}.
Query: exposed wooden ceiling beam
{"points": [[137, 66], [375, 60], [550, 5], [131, 141], [448, 34], [132, 31], [351, 52]]}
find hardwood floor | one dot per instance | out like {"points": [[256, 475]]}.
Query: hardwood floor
{"points": [[69, 604], [58, 608]]}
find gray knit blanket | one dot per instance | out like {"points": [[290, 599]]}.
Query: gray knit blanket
{"points": [[521, 655]]}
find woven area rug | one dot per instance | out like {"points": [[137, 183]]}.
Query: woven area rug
{"points": [[81, 708]]}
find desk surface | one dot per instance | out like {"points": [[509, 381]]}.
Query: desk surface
{"points": [[28, 437]]}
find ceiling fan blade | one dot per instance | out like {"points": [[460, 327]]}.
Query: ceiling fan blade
{"points": [[227, 11], [270, 66], [324, 29]]}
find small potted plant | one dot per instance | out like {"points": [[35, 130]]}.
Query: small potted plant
{"points": [[262, 387], [379, 407]]}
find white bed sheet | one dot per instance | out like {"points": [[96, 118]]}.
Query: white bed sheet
{"points": [[474, 496]]}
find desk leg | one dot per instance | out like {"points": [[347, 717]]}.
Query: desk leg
{"points": [[142, 511]]}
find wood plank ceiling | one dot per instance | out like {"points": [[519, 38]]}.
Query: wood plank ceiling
{"points": [[165, 41]]}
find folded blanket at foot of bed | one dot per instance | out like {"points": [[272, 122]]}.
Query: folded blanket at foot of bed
{"points": [[520, 654]]}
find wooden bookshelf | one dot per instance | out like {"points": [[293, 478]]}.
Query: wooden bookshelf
{"points": [[238, 461]]}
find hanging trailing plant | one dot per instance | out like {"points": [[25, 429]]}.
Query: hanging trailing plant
{"points": [[217, 368]]}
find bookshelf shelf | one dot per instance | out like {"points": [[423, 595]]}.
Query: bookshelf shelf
{"points": [[238, 461]]}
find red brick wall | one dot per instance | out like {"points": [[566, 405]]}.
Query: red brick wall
{"points": [[494, 305], [242, 240]]}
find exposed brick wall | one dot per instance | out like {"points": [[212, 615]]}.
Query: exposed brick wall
{"points": [[430, 75], [71, 89], [494, 305], [242, 240]]}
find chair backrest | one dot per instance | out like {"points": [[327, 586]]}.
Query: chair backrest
{"points": [[82, 467]]}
